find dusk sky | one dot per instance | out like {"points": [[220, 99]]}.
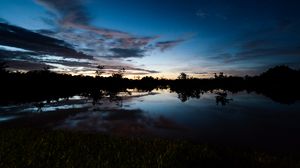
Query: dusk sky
{"points": [[160, 38]]}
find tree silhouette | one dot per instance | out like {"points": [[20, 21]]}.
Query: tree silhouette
{"points": [[119, 74], [220, 76], [182, 76], [99, 70], [46, 69], [3, 66], [222, 99], [281, 84]]}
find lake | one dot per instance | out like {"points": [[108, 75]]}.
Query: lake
{"points": [[216, 116]]}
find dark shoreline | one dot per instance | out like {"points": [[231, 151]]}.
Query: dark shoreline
{"points": [[280, 83]]}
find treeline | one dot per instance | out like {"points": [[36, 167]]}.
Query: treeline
{"points": [[280, 83]]}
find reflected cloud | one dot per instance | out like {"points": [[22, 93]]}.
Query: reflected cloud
{"points": [[120, 122], [6, 118]]}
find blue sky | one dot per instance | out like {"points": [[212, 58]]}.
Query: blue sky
{"points": [[161, 37]]}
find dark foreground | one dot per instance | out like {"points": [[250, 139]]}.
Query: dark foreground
{"points": [[41, 148]]}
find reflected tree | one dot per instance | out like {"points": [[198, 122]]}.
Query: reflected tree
{"points": [[186, 94], [39, 107], [222, 99]]}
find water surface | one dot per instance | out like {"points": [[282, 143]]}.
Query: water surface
{"points": [[216, 116]]}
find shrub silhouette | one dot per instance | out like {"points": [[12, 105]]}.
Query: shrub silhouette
{"points": [[182, 76]]}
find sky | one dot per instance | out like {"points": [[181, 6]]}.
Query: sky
{"points": [[159, 38]]}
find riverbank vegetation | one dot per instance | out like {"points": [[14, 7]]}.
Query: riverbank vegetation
{"points": [[41, 148]]}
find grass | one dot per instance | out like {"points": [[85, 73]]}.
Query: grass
{"points": [[41, 148]]}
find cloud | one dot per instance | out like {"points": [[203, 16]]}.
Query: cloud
{"points": [[252, 44], [135, 42], [10, 55], [127, 53], [26, 50], [92, 40], [72, 14], [46, 32], [281, 28], [17, 60], [259, 53], [276, 43], [113, 68], [284, 24], [202, 14], [67, 11], [26, 65], [3, 21], [220, 16], [73, 25], [201, 73], [18, 37], [262, 52], [75, 28], [164, 45], [146, 71]]}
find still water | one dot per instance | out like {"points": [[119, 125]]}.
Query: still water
{"points": [[216, 116]]}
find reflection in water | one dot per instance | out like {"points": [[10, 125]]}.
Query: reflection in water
{"points": [[222, 99], [119, 121], [5, 118], [250, 119], [39, 107], [185, 94]]}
